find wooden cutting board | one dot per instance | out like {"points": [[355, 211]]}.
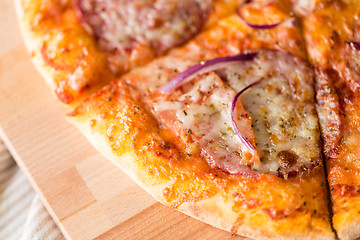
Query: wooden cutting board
{"points": [[86, 195]]}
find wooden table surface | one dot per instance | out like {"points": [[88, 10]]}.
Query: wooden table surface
{"points": [[86, 195]]}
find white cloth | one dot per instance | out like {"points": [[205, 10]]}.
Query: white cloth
{"points": [[22, 215]]}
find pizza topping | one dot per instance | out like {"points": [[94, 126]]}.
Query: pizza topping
{"points": [[160, 24], [260, 16], [233, 106], [257, 26], [355, 45], [199, 112], [270, 125], [204, 67], [283, 111]]}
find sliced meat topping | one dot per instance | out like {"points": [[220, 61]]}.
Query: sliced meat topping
{"points": [[283, 113], [277, 115], [160, 24], [200, 112]]}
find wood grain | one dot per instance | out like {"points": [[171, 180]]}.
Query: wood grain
{"points": [[86, 195]]}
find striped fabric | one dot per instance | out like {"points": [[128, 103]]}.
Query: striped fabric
{"points": [[22, 215]]}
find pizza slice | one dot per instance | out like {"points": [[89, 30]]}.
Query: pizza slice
{"points": [[80, 45], [223, 129], [332, 36]]}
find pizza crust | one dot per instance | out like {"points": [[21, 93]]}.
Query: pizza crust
{"points": [[347, 223], [94, 118]]}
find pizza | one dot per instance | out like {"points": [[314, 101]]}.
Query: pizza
{"points": [[242, 114]]}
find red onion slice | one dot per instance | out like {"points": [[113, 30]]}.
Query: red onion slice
{"points": [[233, 105], [356, 45], [202, 68], [257, 26]]}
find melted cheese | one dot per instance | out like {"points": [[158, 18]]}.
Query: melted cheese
{"points": [[283, 112], [211, 120]]}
